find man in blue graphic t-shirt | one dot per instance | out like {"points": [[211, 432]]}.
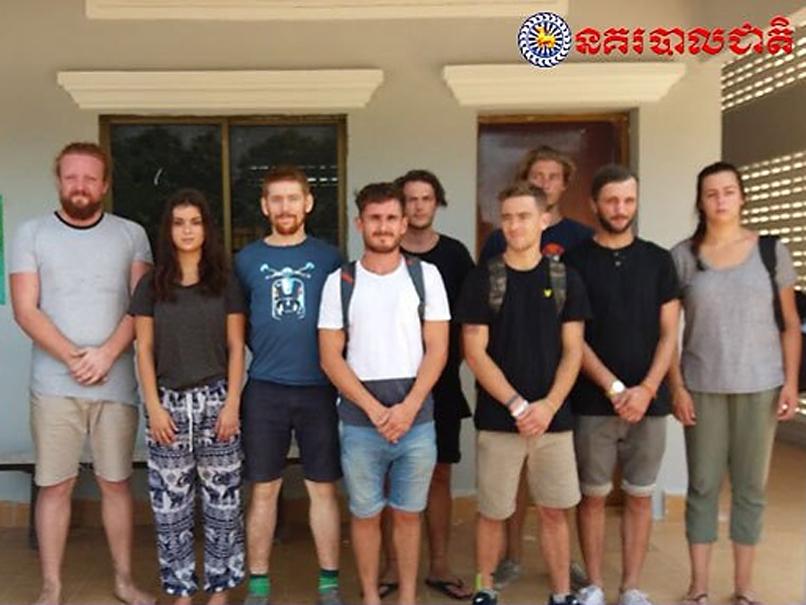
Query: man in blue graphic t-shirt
{"points": [[282, 276]]}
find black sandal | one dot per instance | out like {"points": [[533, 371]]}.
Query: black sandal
{"points": [[454, 589], [387, 588]]}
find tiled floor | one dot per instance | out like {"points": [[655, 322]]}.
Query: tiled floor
{"points": [[779, 572]]}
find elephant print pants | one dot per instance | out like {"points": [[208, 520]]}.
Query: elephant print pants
{"points": [[197, 459]]}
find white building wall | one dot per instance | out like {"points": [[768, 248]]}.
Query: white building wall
{"points": [[413, 121]]}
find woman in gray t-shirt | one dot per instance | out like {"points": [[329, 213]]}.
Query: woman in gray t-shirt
{"points": [[738, 372], [189, 319]]}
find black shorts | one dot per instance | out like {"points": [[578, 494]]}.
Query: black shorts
{"points": [[269, 414], [448, 426], [450, 408]]}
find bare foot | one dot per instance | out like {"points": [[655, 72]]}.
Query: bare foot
{"points": [[51, 595], [127, 592], [218, 598]]}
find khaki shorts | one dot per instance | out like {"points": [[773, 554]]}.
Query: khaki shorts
{"points": [[551, 471], [60, 426], [638, 447]]}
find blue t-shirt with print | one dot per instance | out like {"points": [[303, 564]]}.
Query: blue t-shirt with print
{"points": [[283, 287]]}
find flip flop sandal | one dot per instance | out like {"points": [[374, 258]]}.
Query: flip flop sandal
{"points": [[700, 599], [387, 588], [454, 589], [742, 599]]}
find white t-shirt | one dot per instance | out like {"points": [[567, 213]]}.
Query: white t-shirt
{"points": [[385, 335]]}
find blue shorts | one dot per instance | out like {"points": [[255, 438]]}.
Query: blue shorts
{"points": [[368, 461]]}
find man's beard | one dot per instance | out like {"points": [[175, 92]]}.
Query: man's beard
{"points": [[611, 228], [287, 228], [80, 212], [370, 245]]}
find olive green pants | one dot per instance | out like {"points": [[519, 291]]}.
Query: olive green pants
{"points": [[734, 434]]}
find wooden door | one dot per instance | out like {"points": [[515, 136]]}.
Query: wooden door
{"points": [[590, 141]]}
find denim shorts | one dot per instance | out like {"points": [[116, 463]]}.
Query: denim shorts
{"points": [[370, 463]]}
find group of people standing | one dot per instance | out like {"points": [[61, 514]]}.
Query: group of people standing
{"points": [[570, 333]]}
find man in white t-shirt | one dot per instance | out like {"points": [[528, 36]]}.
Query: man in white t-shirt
{"points": [[391, 313]]}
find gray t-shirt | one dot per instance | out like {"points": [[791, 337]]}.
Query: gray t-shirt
{"points": [[731, 343], [190, 332], [84, 276]]}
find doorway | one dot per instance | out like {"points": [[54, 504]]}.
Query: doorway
{"points": [[590, 140]]}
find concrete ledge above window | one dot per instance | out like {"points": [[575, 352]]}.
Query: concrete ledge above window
{"points": [[204, 92], [567, 86], [250, 10]]}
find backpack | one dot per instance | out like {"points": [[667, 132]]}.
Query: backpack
{"points": [[800, 302], [766, 246], [415, 269], [497, 271]]}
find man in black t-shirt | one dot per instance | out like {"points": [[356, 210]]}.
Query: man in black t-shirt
{"points": [[552, 171], [522, 316], [620, 399]]}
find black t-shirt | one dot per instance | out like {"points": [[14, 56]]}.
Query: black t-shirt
{"points": [[525, 336], [626, 288], [454, 263], [190, 333], [558, 238]]}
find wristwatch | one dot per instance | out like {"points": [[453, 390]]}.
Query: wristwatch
{"points": [[617, 388]]}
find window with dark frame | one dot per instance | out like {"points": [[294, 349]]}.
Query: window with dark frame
{"points": [[225, 158]]}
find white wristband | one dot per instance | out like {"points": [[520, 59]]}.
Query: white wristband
{"points": [[520, 410]]}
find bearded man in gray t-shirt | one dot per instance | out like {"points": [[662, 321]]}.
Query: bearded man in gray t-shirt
{"points": [[72, 273]]}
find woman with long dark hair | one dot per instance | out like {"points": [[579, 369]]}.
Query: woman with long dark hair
{"points": [[738, 372], [189, 320]]}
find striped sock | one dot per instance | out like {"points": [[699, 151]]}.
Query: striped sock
{"points": [[328, 579]]}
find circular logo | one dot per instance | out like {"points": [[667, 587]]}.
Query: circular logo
{"points": [[544, 39]]}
